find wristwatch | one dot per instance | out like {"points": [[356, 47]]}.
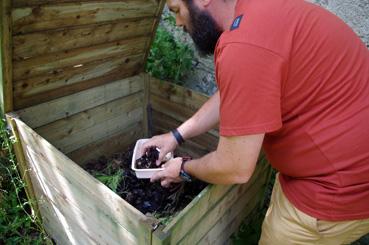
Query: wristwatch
{"points": [[183, 174]]}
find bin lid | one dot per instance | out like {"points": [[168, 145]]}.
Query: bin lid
{"points": [[53, 48]]}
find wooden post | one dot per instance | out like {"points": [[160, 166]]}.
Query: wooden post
{"points": [[6, 56], [22, 165], [146, 107]]}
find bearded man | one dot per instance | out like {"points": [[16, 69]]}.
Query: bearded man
{"points": [[293, 79]]}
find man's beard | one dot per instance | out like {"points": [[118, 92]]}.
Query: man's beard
{"points": [[203, 29]]}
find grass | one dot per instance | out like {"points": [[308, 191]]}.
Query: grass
{"points": [[18, 224]]}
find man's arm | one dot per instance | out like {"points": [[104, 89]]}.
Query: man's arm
{"points": [[233, 162], [206, 118]]}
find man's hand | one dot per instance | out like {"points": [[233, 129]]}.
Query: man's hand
{"points": [[170, 174], [165, 142]]}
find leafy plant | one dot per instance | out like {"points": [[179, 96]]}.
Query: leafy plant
{"points": [[168, 58], [18, 225], [111, 175]]}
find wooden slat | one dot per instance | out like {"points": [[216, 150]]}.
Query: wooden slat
{"points": [[232, 219], [67, 81], [71, 133], [205, 201], [22, 165], [166, 123], [6, 57], [48, 112], [107, 145], [27, 3], [40, 43], [53, 16], [177, 94], [69, 186], [178, 111], [53, 62], [146, 107], [238, 198]]}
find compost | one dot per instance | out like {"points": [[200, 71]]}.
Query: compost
{"points": [[149, 198]]}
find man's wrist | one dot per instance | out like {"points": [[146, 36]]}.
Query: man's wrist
{"points": [[178, 136], [183, 174]]}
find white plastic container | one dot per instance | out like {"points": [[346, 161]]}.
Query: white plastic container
{"points": [[145, 173]]}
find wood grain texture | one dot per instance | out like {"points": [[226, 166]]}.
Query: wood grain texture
{"points": [[51, 111], [51, 63], [71, 133], [67, 81], [77, 200], [108, 146], [6, 57], [193, 223], [59, 15], [53, 41]]}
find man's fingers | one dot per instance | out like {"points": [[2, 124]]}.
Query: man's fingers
{"points": [[160, 158], [159, 175], [165, 183]]}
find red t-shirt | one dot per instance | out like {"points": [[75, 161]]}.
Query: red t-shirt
{"points": [[296, 72]]}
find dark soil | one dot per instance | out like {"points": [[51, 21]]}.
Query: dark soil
{"points": [[147, 197], [148, 160]]}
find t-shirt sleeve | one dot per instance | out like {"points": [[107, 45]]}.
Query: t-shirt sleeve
{"points": [[250, 83]]}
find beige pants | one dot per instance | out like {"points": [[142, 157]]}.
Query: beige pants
{"points": [[284, 224]]}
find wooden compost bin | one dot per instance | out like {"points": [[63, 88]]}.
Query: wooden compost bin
{"points": [[74, 89]]}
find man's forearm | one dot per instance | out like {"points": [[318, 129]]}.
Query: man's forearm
{"points": [[206, 118]]}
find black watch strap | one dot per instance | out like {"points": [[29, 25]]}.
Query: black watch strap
{"points": [[183, 174], [178, 136]]}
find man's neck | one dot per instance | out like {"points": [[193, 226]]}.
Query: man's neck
{"points": [[223, 12]]}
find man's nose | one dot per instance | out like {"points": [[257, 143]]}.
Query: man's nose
{"points": [[179, 22]]}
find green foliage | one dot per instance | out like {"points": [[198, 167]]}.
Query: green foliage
{"points": [[168, 58], [112, 179], [17, 223]]}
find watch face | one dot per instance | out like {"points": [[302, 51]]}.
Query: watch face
{"points": [[185, 176]]}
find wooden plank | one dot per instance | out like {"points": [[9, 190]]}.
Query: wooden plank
{"points": [[147, 108], [6, 57], [79, 188], [46, 42], [67, 81], [48, 112], [26, 3], [240, 197], [107, 145], [53, 16], [71, 133], [177, 94], [22, 165], [169, 108], [163, 122], [51, 63], [207, 200]]}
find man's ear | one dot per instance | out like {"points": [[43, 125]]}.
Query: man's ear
{"points": [[204, 3]]}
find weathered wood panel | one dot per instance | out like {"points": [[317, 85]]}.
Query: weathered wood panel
{"points": [[68, 80], [161, 121], [244, 207], [108, 145], [71, 133], [53, 16], [177, 94], [204, 212], [25, 3], [51, 111], [77, 201], [246, 195], [40, 43], [6, 93], [53, 62]]}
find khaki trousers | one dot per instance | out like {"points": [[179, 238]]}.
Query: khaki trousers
{"points": [[285, 224]]}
